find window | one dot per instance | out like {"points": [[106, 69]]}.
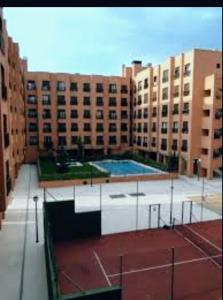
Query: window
{"points": [[154, 112], [112, 115], [165, 94], [175, 127], [61, 114], [112, 140], [86, 87], [124, 139], [74, 139], [218, 65], [139, 128], [99, 114], [175, 109], [146, 84], [87, 114], [32, 99], [87, 140], [99, 127], [46, 114], [185, 127], [145, 98], [164, 110], [176, 91], [153, 142], [32, 113], [207, 93], [33, 127], [139, 140], [87, 101], [165, 76], [31, 85], [145, 127], [124, 114], [139, 115], [61, 100], [112, 88], [46, 100], [62, 141], [73, 87], [33, 140], [155, 80], [145, 141], [4, 88], [139, 85], [145, 113], [186, 89], [74, 114], [124, 102], [139, 100], [87, 127], [99, 88], [184, 145], [45, 85], [61, 127], [174, 145], [154, 98], [47, 141], [124, 127], [163, 144], [186, 108], [99, 101], [99, 140], [187, 70], [46, 127], [177, 72], [112, 127], [61, 86], [73, 100], [112, 101], [124, 89], [74, 127], [164, 127]]}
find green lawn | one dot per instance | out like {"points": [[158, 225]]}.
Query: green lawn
{"points": [[48, 171]]}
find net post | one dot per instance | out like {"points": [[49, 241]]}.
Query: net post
{"points": [[191, 205], [172, 272], [44, 194], [182, 213], [174, 221]]}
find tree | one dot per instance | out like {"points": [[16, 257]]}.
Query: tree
{"points": [[62, 160]]}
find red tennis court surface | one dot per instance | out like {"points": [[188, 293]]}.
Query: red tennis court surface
{"points": [[145, 270]]}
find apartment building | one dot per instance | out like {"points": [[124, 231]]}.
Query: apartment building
{"points": [[170, 109], [61, 108], [12, 118], [177, 110]]}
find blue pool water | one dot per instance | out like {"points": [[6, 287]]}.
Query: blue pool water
{"points": [[124, 167]]}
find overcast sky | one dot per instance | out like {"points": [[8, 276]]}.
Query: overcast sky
{"points": [[100, 40]]}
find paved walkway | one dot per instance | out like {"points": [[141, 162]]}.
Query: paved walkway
{"points": [[19, 225]]}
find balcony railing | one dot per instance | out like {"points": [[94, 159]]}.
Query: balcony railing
{"points": [[175, 130], [186, 93], [163, 130], [184, 130], [145, 130], [187, 73], [46, 116], [61, 102], [175, 112], [176, 75], [164, 113], [185, 111], [184, 148], [6, 140], [165, 79], [176, 94], [163, 147], [61, 129], [153, 144], [47, 129], [145, 144]]}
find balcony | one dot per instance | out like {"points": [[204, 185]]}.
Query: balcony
{"points": [[99, 103], [175, 130], [184, 148], [176, 94], [184, 130], [153, 144], [186, 93], [163, 147], [61, 102], [174, 147], [145, 144], [61, 129], [48, 144], [47, 129], [164, 130], [175, 112], [6, 140], [164, 113], [124, 91], [8, 185], [124, 103], [46, 116], [99, 90], [187, 73], [165, 79], [4, 92], [99, 143], [185, 111], [165, 96], [99, 129]]}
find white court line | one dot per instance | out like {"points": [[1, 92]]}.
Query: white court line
{"points": [[102, 268], [196, 246], [202, 237], [163, 266]]}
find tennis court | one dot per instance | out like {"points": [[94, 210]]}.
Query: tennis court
{"points": [[184, 262]]}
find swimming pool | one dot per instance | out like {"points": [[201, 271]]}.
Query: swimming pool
{"points": [[124, 167]]}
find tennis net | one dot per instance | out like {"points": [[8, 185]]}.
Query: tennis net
{"points": [[195, 238]]}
